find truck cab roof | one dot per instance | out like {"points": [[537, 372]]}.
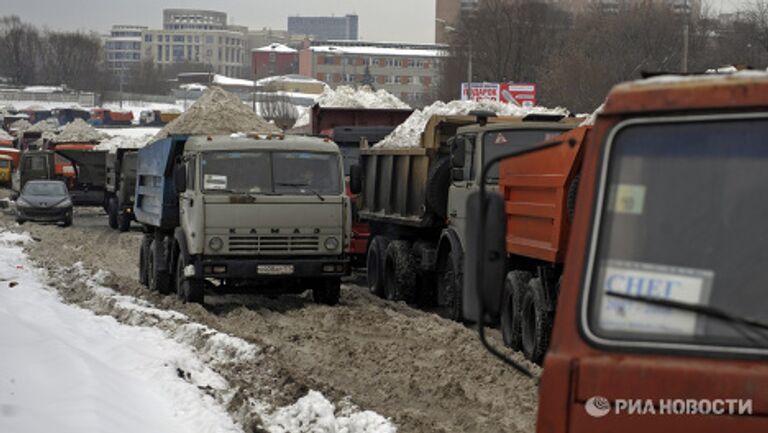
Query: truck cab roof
{"points": [[202, 143], [519, 123]]}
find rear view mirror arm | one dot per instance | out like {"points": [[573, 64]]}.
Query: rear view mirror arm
{"points": [[481, 249]]}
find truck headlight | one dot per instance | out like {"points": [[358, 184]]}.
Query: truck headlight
{"points": [[216, 243], [331, 243]]}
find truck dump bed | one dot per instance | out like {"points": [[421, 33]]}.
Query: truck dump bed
{"points": [[156, 200], [536, 193], [90, 173], [325, 119]]}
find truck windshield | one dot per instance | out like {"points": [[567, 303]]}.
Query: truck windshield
{"points": [[252, 172], [4, 163], [681, 221], [496, 143]]}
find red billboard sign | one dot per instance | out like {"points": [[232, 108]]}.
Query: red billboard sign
{"points": [[520, 94]]}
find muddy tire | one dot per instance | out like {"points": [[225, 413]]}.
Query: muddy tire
{"points": [[124, 222], [112, 213], [188, 290], [449, 286], [143, 261], [328, 293], [438, 183], [157, 280], [399, 272], [536, 322], [514, 286], [375, 265]]}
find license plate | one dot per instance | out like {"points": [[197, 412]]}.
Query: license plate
{"points": [[275, 269]]}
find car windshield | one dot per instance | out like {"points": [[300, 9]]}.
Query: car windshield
{"points": [[681, 222], [45, 188], [499, 142], [256, 172]]}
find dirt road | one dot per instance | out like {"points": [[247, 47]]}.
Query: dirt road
{"points": [[425, 373]]}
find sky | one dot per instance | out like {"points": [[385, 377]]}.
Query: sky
{"points": [[387, 20], [380, 20]]}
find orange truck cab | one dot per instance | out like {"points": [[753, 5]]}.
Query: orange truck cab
{"points": [[661, 320], [6, 168]]}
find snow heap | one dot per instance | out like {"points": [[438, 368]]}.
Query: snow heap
{"points": [[590, 118], [46, 125], [408, 134], [79, 131], [218, 112], [4, 136], [363, 97], [21, 125], [124, 142]]}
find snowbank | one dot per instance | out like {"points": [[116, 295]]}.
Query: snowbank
{"points": [[50, 124], [72, 371], [363, 97], [79, 131], [4, 136], [408, 134], [218, 112]]}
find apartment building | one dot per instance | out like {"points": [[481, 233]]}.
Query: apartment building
{"points": [[325, 28], [122, 48], [409, 71]]}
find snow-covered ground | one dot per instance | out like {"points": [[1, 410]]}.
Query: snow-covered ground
{"points": [[65, 369]]}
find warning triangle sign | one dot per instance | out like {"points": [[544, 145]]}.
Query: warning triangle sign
{"points": [[500, 139]]}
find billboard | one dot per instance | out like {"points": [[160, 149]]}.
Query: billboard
{"points": [[520, 94]]}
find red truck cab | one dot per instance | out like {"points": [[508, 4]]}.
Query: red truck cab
{"points": [[661, 320]]}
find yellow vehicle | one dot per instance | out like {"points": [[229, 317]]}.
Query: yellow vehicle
{"points": [[6, 167]]}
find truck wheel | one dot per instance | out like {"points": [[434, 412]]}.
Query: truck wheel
{"points": [[536, 322], [438, 183], [399, 272], [159, 281], [328, 293], [514, 286], [375, 265], [124, 222], [112, 212], [143, 256], [189, 290], [449, 286]]}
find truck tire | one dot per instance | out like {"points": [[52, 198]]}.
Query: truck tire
{"points": [[375, 265], [438, 182], [573, 190], [159, 281], [514, 287], [536, 322], [112, 213], [124, 221], [328, 292], [399, 272], [143, 261], [189, 290], [449, 286]]}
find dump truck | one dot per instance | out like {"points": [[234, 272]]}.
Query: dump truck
{"points": [[104, 117], [87, 183], [120, 187], [414, 200], [156, 117], [661, 320], [265, 214], [33, 165], [68, 115]]}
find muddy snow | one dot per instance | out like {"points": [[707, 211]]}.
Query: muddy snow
{"points": [[366, 365]]}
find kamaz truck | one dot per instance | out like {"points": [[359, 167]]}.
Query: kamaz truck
{"points": [[265, 214], [120, 187]]}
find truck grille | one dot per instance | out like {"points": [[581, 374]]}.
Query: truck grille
{"points": [[274, 244]]}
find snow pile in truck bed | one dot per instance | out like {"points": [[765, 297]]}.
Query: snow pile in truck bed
{"points": [[21, 125], [124, 142], [362, 97], [46, 125], [4, 136], [218, 112], [408, 134], [79, 131]]}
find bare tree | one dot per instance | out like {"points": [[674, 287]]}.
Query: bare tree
{"points": [[278, 108], [19, 50], [74, 59], [147, 77]]}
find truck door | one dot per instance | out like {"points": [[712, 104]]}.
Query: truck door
{"points": [[191, 208], [462, 159]]}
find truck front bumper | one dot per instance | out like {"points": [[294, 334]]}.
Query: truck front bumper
{"points": [[269, 268]]}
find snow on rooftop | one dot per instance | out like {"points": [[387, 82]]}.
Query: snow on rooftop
{"points": [[379, 51], [43, 89], [288, 79], [275, 48], [223, 80]]}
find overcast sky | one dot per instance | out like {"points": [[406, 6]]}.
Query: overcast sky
{"points": [[382, 20]]}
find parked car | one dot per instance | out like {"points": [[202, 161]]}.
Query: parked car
{"points": [[44, 200]]}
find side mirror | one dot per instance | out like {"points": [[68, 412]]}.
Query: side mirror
{"points": [[493, 257], [180, 178], [355, 178]]}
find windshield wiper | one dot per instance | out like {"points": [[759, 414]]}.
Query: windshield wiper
{"points": [[758, 327], [302, 185]]}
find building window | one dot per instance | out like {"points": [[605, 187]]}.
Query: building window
{"points": [[167, 38], [178, 38], [147, 38], [209, 39]]}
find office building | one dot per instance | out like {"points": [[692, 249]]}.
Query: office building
{"points": [[325, 28], [122, 49]]}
